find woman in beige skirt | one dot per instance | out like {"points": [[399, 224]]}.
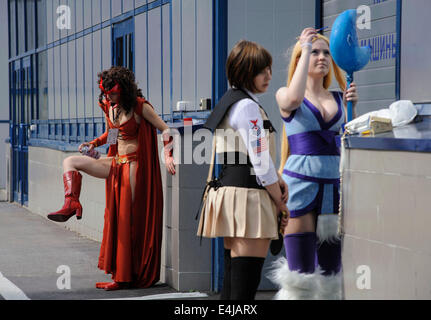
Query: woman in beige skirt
{"points": [[243, 203]]}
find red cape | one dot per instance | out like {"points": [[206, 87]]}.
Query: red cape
{"points": [[132, 245]]}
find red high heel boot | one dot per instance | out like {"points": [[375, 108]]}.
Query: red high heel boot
{"points": [[72, 189]]}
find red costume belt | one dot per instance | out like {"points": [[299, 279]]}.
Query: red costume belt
{"points": [[130, 157]]}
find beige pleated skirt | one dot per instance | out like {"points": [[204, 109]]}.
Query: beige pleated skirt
{"points": [[238, 212]]}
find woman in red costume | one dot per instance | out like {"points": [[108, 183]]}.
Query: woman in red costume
{"points": [[132, 232]]}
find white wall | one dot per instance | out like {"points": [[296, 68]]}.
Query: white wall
{"points": [[386, 224], [191, 50], [415, 48]]}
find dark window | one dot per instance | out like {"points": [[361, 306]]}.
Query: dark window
{"points": [[119, 53]]}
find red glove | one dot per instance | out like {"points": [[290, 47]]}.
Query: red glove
{"points": [[100, 141], [168, 143]]}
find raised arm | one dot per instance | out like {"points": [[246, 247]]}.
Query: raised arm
{"points": [[290, 98]]}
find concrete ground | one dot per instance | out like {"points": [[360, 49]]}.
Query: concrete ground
{"points": [[33, 249]]}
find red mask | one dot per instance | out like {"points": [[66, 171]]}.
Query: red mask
{"points": [[115, 89]]}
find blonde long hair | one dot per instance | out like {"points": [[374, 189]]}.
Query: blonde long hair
{"points": [[339, 76]]}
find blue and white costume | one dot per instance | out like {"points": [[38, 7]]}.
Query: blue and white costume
{"points": [[312, 169], [311, 172]]}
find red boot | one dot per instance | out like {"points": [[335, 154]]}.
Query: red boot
{"points": [[72, 189]]}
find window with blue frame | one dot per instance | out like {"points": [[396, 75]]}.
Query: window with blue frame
{"points": [[103, 33]]}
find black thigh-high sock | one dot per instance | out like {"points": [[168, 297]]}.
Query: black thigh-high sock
{"points": [[225, 291], [245, 277]]}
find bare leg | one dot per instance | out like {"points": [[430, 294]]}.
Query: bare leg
{"points": [[132, 173], [72, 183], [305, 223], [97, 168], [243, 247]]}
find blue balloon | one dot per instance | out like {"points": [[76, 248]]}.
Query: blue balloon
{"points": [[343, 43]]}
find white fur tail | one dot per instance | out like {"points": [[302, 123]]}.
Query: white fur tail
{"points": [[327, 228], [293, 284]]}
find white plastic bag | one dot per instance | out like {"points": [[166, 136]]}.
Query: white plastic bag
{"points": [[400, 112]]}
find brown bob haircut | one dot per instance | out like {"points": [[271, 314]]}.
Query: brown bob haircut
{"points": [[246, 60]]}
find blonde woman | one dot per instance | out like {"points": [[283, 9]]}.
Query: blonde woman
{"points": [[313, 116]]}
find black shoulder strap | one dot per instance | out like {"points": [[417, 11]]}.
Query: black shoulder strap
{"points": [[222, 107]]}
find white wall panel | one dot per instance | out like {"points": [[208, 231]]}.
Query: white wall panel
{"points": [[204, 50], [155, 59], [64, 82], [87, 14], [50, 14], [106, 9], [80, 77], [106, 58], [415, 49], [166, 61], [116, 7], [176, 52], [51, 102], [57, 82], [72, 78], [88, 75], [139, 3], [128, 5], [141, 52], [96, 11], [79, 15], [106, 48], [188, 77], [97, 67]]}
